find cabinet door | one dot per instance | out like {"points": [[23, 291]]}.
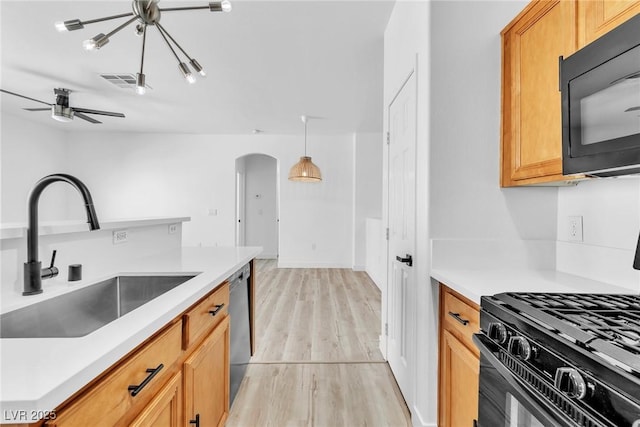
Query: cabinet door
{"points": [[165, 410], [597, 17], [206, 380], [531, 104], [459, 370]]}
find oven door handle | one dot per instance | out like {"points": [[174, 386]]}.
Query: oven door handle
{"points": [[542, 410]]}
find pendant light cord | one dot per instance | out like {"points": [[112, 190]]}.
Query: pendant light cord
{"points": [[305, 138]]}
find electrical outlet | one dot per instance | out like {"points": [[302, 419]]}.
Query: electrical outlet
{"points": [[173, 228], [575, 228], [120, 236]]}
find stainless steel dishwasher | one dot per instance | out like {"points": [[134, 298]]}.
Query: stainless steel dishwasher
{"points": [[240, 335]]}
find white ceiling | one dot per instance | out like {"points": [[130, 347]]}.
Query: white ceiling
{"points": [[267, 63]]}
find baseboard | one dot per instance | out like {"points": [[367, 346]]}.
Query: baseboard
{"points": [[308, 264], [418, 421], [359, 268]]}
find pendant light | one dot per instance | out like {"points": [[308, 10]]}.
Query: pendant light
{"points": [[305, 170]]}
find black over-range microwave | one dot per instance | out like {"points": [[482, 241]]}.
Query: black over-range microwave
{"points": [[600, 87]]}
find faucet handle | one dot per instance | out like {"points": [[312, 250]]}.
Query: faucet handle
{"points": [[50, 271]]}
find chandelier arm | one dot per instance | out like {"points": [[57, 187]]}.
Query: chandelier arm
{"points": [[144, 41], [167, 41], [121, 27], [172, 9], [106, 18], [173, 40]]}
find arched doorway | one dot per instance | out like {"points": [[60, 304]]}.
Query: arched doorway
{"points": [[257, 203]]}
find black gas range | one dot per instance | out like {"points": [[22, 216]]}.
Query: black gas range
{"points": [[559, 360]]}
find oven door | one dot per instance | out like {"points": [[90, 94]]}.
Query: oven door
{"points": [[503, 401]]}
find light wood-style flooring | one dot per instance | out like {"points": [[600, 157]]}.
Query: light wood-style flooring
{"points": [[317, 360]]}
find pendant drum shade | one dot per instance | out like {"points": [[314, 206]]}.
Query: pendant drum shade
{"points": [[305, 170]]}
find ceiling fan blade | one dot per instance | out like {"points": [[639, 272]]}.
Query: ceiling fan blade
{"points": [[102, 113], [87, 118], [25, 97], [37, 109]]}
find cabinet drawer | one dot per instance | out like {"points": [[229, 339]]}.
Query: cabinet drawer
{"points": [[460, 317], [205, 315], [110, 398]]}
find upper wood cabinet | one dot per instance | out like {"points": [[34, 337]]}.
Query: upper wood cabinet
{"points": [[531, 106], [597, 17]]}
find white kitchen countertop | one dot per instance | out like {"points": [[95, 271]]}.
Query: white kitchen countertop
{"points": [[37, 374], [478, 282]]}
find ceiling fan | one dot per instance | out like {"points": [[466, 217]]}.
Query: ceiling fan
{"points": [[61, 110]]}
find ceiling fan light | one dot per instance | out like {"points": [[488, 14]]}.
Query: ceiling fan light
{"points": [[186, 73], [141, 87], [220, 6], [95, 43], [197, 67], [305, 171], [61, 113]]}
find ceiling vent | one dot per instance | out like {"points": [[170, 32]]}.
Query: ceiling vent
{"points": [[123, 81]]}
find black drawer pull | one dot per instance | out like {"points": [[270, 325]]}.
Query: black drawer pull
{"points": [[135, 389], [218, 308], [458, 318], [196, 421]]}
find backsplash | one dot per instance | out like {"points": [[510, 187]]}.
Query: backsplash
{"points": [[610, 211]]}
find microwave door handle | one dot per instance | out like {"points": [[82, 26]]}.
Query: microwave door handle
{"points": [[540, 409]]}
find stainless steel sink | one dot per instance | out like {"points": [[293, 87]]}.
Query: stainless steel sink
{"points": [[81, 312]]}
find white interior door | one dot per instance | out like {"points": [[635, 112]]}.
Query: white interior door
{"points": [[402, 241]]}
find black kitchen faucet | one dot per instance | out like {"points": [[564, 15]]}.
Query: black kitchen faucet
{"points": [[33, 271]]}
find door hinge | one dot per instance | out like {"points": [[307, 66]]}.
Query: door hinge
{"points": [[386, 329], [387, 233], [388, 138]]}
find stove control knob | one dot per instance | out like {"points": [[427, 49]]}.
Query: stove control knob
{"points": [[498, 332], [570, 382], [520, 347]]}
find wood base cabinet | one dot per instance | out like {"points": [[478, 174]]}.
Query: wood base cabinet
{"points": [[459, 364], [177, 378], [207, 401]]}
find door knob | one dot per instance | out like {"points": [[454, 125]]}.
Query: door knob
{"points": [[408, 259]]}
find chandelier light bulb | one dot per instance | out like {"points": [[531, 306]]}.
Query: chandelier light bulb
{"points": [[95, 43], [197, 67], [141, 87], [226, 6], [61, 27], [71, 25], [186, 73]]}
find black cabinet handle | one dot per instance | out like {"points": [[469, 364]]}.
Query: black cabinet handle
{"points": [[458, 318], [218, 308], [196, 421], [408, 259], [135, 389]]}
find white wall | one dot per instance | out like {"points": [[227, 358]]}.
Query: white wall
{"points": [[406, 48], [610, 209], [30, 151], [134, 175], [261, 204], [368, 191]]}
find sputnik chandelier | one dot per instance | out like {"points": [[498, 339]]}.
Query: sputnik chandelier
{"points": [[146, 12]]}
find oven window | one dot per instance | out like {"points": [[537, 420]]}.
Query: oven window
{"points": [[605, 106], [518, 416]]}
